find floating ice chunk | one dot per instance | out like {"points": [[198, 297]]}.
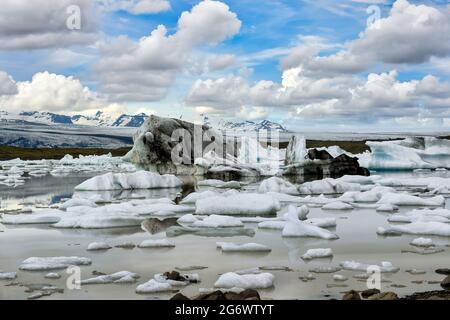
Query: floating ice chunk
{"points": [[301, 212], [275, 225], [154, 286], [338, 205], [402, 199], [387, 232], [243, 247], [99, 220], [118, 277], [187, 219], [372, 195], [422, 242], [387, 208], [339, 277], [328, 186], [135, 180], [296, 228], [245, 281], [279, 185], [75, 202], [317, 253], [422, 228], [159, 243], [218, 221], [220, 184], [325, 269], [282, 197], [52, 275], [40, 217], [239, 204], [96, 246], [193, 197], [322, 222], [358, 266], [8, 275], [53, 263]]}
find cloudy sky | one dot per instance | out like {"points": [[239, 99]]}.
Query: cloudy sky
{"points": [[308, 64]]}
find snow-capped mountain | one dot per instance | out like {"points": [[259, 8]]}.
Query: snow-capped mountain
{"points": [[100, 119], [246, 126]]}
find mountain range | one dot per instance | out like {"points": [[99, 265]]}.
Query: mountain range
{"points": [[100, 119]]}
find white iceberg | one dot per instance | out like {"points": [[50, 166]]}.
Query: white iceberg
{"points": [[296, 228], [135, 180], [245, 281], [8, 275], [328, 186], [239, 204], [338, 205], [279, 185], [159, 243], [403, 199], [242, 247], [218, 221], [422, 242], [118, 277], [96, 246], [317, 253], [52, 263], [359, 266]]}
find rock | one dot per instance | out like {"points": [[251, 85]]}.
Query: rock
{"points": [[179, 296], [345, 165], [126, 245], [369, 292], [444, 271], [98, 273], [248, 294], [446, 283], [429, 295], [315, 154], [174, 275], [159, 139], [351, 295], [384, 296]]}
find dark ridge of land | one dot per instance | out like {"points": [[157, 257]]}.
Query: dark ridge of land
{"points": [[8, 152]]}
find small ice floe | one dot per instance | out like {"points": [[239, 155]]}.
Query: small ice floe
{"points": [[254, 270], [8, 275], [245, 281], [387, 208], [218, 221], [52, 275], [415, 271], [388, 232], [322, 222], [328, 186], [307, 278], [283, 197], [372, 195], [424, 251], [135, 180], [98, 246], [403, 199], [274, 225], [123, 277], [41, 217], [193, 197], [169, 281], [359, 266], [53, 263], [338, 205], [279, 185], [430, 228], [325, 269], [422, 242], [153, 286], [238, 204], [220, 184], [242, 247], [175, 231], [187, 219], [158, 243], [317, 253], [77, 202], [126, 245], [301, 212], [339, 277], [296, 228]]}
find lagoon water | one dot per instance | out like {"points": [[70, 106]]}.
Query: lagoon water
{"points": [[356, 229]]}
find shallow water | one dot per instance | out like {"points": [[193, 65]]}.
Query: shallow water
{"points": [[356, 229]]}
